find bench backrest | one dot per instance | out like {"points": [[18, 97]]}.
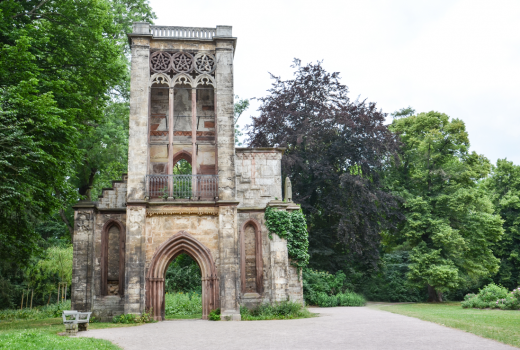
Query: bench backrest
{"points": [[70, 316]]}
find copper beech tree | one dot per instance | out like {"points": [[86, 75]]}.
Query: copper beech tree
{"points": [[336, 151]]}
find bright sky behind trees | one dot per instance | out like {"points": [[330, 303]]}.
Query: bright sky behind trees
{"points": [[461, 57]]}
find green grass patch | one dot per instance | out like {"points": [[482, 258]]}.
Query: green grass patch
{"points": [[36, 313], [42, 334], [499, 325], [41, 340], [286, 310]]}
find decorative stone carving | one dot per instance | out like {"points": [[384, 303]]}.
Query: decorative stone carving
{"points": [[189, 133], [183, 211], [160, 62], [205, 63], [182, 62], [205, 79], [160, 78], [135, 218], [83, 223], [181, 78], [288, 190]]}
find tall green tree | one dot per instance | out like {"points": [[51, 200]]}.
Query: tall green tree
{"points": [[450, 223], [504, 187], [336, 152], [60, 63]]}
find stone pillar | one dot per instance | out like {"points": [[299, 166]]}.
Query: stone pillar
{"points": [[225, 129], [137, 169], [229, 263], [279, 269], [81, 289], [194, 136], [138, 128], [224, 119], [135, 260]]}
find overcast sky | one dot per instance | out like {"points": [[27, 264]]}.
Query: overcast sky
{"points": [[461, 58]]}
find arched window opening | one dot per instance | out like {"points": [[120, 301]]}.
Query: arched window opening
{"points": [[250, 265], [112, 259], [182, 167]]}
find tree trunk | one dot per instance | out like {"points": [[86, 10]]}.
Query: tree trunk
{"points": [[27, 301], [32, 294], [433, 295], [65, 220], [58, 301], [23, 294], [69, 226], [85, 189], [49, 300]]}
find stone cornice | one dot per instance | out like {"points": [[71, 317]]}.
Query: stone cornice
{"points": [[183, 211]]}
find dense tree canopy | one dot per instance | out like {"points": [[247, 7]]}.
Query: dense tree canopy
{"points": [[60, 62], [504, 188], [336, 150], [450, 222]]}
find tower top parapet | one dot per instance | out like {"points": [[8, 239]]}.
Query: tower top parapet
{"points": [[176, 32]]}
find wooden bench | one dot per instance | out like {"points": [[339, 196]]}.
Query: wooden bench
{"points": [[75, 320]]}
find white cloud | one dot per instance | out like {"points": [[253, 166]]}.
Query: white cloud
{"points": [[457, 57]]}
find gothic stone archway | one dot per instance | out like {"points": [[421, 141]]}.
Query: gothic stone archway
{"points": [[181, 242]]}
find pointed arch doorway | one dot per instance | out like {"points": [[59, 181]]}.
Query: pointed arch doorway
{"points": [[181, 242]]}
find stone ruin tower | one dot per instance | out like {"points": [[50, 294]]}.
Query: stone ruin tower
{"points": [[181, 108]]}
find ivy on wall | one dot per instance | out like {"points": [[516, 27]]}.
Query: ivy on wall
{"points": [[293, 227]]}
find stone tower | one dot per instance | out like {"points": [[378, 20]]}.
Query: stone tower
{"points": [[181, 109]]}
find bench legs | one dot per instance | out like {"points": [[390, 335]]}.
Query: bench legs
{"points": [[82, 327], [71, 329]]}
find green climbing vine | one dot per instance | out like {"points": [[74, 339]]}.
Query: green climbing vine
{"points": [[293, 227]]}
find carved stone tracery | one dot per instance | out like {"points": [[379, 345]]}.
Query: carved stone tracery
{"points": [[160, 61], [205, 63], [182, 62]]}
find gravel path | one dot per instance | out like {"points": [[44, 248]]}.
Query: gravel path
{"points": [[337, 328]]}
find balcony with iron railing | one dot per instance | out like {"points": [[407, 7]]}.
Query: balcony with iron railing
{"points": [[182, 187]]}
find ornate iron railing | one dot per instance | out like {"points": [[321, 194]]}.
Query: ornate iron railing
{"points": [[182, 186], [182, 32]]}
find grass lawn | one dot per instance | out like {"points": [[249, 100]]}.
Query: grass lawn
{"points": [[42, 334], [183, 317], [500, 325]]}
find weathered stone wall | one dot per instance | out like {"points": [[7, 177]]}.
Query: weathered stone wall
{"points": [[182, 45], [114, 197], [259, 176], [162, 223], [113, 305], [81, 289], [106, 307], [295, 285]]}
